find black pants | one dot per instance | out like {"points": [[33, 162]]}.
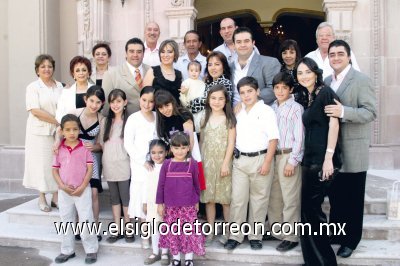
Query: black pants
{"points": [[346, 197], [316, 248]]}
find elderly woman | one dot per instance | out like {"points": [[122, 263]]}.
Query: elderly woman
{"points": [[101, 53], [164, 76], [41, 103], [320, 162], [73, 97]]}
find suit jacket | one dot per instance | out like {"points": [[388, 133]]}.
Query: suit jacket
{"points": [[263, 69], [121, 78], [357, 96]]}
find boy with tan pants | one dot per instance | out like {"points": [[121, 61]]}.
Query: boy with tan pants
{"points": [[284, 203]]}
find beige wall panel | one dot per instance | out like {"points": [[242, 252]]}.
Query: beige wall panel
{"points": [[4, 69], [68, 38]]}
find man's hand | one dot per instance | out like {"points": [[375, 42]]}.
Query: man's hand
{"points": [[288, 170], [334, 110]]}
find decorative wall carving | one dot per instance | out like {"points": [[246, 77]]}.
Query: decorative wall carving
{"points": [[92, 24], [377, 26], [148, 11]]}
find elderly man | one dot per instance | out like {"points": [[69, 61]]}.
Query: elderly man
{"points": [[356, 110], [325, 34], [250, 63], [128, 76], [151, 44], [192, 43]]}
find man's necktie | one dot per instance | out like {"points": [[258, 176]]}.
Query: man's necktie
{"points": [[138, 78]]}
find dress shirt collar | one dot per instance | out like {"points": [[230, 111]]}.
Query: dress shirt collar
{"points": [[341, 75], [132, 69], [288, 102], [146, 47], [237, 65]]}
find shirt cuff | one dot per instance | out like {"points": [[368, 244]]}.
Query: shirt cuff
{"points": [[342, 114], [293, 162]]}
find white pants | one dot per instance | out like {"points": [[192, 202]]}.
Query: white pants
{"points": [[83, 204]]}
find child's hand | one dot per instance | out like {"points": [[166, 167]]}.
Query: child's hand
{"points": [[56, 145], [224, 170], [145, 208], [197, 206], [184, 89], [237, 108], [67, 189], [264, 169], [88, 145], [160, 209], [288, 170], [149, 167], [78, 191]]}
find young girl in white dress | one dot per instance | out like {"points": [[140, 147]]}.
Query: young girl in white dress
{"points": [[140, 129]]}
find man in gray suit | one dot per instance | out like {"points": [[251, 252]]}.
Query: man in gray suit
{"points": [[128, 76], [249, 63], [356, 110]]}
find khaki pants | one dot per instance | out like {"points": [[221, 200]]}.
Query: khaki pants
{"points": [[249, 188], [284, 203]]}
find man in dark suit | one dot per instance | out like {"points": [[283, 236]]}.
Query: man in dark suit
{"points": [[356, 110], [128, 76], [249, 63]]}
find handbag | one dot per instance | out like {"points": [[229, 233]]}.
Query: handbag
{"points": [[393, 202]]}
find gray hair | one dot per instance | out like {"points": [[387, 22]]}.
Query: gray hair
{"points": [[323, 25]]}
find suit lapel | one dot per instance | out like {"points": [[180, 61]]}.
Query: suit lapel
{"points": [[253, 64], [127, 75], [345, 83]]}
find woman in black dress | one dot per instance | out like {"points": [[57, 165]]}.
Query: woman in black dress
{"points": [[321, 159], [164, 76]]}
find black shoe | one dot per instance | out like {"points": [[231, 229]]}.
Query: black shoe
{"points": [[64, 258], [99, 238], [267, 237], [344, 252], [112, 239], [129, 238], [176, 263], [231, 244], [77, 237], [91, 258], [286, 245], [256, 244]]}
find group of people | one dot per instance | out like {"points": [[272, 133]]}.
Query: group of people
{"points": [[266, 138]]}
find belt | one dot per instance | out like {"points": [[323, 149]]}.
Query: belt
{"points": [[282, 151], [253, 154]]}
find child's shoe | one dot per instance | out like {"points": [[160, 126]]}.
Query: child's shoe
{"points": [[91, 258], [64, 258], [152, 258], [189, 263]]}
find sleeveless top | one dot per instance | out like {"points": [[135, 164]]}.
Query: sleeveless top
{"points": [[161, 83]]}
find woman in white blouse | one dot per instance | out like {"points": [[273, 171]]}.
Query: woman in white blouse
{"points": [[72, 98], [41, 103]]}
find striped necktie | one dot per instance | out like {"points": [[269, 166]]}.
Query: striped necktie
{"points": [[138, 78]]}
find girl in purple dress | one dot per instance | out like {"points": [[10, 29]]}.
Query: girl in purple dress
{"points": [[178, 195]]}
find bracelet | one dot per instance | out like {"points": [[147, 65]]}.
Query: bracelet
{"points": [[330, 150]]}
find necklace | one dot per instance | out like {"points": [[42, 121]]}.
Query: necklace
{"points": [[166, 73]]}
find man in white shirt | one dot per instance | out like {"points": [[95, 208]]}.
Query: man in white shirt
{"points": [[227, 27], [128, 76], [151, 44], [192, 43], [249, 63], [324, 36]]}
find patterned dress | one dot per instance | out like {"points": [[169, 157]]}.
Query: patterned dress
{"points": [[213, 147], [89, 135], [198, 104]]}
